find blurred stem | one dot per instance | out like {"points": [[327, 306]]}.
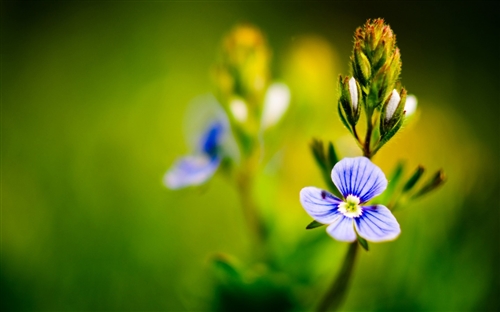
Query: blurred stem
{"points": [[251, 214], [336, 293]]}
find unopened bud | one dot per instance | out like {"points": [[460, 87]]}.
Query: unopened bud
{"points": [[361, 65], [393, 113], [349, 99], [392, 105]]}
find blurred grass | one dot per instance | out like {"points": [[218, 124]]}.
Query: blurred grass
{"points": [[93, 98]]}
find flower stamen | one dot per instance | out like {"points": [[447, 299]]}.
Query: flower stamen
{"points": [[350, 207]]}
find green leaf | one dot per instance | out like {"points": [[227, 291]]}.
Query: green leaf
{"points": [[388, 136], [332, 155], [413, 179], [437, 180], [314, 224], [318, 153], [327, 173], [224, 269], [325, 159], [363, 242]]}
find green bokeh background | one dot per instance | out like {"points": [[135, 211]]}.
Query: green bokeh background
{"points": [[93, 97]]}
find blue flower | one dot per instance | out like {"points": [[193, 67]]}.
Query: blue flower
{"points": [[198, 168], [358, 180]]}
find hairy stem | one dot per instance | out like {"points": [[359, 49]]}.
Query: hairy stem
{"points": [[368, 139]]}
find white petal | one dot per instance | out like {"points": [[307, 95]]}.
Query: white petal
{"points": [[353, 89], [392, 105], [410, 105], [275, 104]]}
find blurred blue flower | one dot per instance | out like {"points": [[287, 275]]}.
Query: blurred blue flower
{"points": [[198, 168], [358, 180]]}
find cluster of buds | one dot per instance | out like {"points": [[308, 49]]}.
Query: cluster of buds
{"points": [[242, 75], [374, 85]]}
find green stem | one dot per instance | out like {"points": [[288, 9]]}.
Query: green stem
{"points": [[336, 293], [368, 139], [356, 136]]}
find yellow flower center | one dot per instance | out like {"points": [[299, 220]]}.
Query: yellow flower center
{"points": [[350, 207]]}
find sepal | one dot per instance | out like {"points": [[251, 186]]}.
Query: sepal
{"points": [[314, 224], [363, 242]]}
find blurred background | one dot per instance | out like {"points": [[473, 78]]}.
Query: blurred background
{"points": [[93, 97]]}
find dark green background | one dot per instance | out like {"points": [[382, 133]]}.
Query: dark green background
{"points": [[93, 97]]}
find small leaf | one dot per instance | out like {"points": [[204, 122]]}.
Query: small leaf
{"points": [[332, 155], [318, 153], [386, 137], [394, 180], [438, 179], [224, 268], [324, 159], [413, 179], [363, 243], [314, 224]]}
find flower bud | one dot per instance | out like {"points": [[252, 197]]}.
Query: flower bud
{"points": [[392, 104], [350, 96], [353, 90], [393, 112], [361, 65]]}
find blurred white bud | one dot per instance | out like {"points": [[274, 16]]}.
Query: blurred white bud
{"points": [[353, 89], [275, 104], [239, 109], [392, 105], [410, 105]]}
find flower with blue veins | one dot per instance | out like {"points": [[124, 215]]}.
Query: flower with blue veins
{"points": [[358, 180], [198, 168]]}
